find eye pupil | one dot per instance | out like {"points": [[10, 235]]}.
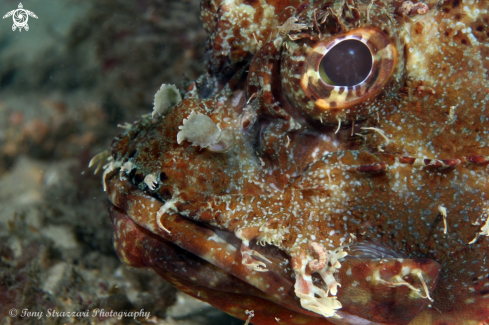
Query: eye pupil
{"points": [[348, 63]]}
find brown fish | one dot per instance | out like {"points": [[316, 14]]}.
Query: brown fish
{"points": [[331, 166]]}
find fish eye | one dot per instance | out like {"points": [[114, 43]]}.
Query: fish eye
{"points": [[344, 77], [347, 63]]}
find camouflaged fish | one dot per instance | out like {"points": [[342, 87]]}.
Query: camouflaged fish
{"points": [[329, 168]]}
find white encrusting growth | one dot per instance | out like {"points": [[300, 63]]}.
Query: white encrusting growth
{"points": [[250, 313], [408, 7], [151, 181], [125, 126], [419, 274], [451, 113], [485, 228], [312, 297], [250, 257], [272, 236], [397, 281], [165, 98], [290, 25], [99, 160], [109, 167], [339, 125], [443, 212], [379, 131], [263, 267], [126, 168], [170, 204], [200, 130]]}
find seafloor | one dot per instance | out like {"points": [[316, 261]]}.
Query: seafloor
{"points": [[82, 68]]}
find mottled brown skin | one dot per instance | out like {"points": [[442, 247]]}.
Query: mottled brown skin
{"points": [[295, 193]]}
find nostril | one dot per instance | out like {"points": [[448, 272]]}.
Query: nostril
{"points": [[163, 177], [138, 178]]}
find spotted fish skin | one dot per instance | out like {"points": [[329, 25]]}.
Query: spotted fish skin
{"points": [[269, 190]]}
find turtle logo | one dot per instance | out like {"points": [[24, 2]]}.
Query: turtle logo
{"points": [[20, 17]]}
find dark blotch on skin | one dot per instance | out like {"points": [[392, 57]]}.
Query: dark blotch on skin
{"points": [[138, 178], [252, 3], [163, 177], [418, 28], [348, 63], [165, 194]]}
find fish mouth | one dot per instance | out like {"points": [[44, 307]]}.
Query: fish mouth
{"points": [[214, 264], [217, 247]]}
